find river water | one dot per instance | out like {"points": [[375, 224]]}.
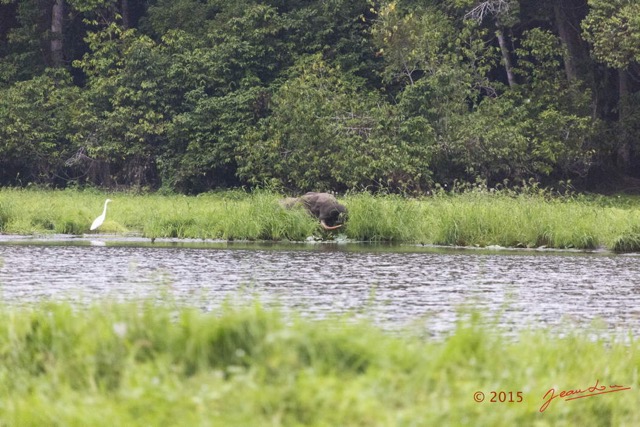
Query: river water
{"points": [[396, 286]]}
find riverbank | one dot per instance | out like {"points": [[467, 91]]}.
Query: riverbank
{"points": [[144, 364], [476, 218]]}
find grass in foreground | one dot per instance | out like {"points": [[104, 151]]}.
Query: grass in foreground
{"points": [[142, 364], [477, 218]]}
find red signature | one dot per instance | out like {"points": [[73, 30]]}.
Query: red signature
{"points": [[578, 393]]}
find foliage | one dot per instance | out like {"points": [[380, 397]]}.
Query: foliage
{"points": [[613, 29], [396, 95], [532, 131], [36, 142], [20, 56], [129, 106], [322, 135], [412, 42]]}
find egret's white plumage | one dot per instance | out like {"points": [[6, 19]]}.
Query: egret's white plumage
{"points": [[98, 221]]}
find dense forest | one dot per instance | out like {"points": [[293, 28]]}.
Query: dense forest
{"points": [[195, 95]]}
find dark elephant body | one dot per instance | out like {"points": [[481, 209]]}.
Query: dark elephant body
{"points": [[323, 206]]}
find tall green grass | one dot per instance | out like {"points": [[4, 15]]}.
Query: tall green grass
{"points": [[500, 218], [115, 364], [523, 221], [474, 218], [231, 215]]}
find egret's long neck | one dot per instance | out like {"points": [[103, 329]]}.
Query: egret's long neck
{"points": [[104, 211]]}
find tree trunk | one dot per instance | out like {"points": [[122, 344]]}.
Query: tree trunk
{"points": [[623, 155], [577, 61], [57, 20], [564, 32], [506, 58], [126, 17]]}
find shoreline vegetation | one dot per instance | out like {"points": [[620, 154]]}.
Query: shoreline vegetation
{"points": [[478, 217], [145, 363]]}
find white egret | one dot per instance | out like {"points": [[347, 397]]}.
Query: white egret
{"points": [[98, 221]]}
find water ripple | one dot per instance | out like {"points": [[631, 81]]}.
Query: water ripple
{"points": [[521, 289]]}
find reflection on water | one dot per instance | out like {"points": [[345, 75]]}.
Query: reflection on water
{"points": [[394, 285]]}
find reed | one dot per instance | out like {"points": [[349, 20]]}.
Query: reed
{"points": [[148, 364], [473, 218]]}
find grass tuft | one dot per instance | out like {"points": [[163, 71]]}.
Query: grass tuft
{"points": [[629, 241]]}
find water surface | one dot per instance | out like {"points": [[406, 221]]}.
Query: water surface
{"points": [[394, 285]]}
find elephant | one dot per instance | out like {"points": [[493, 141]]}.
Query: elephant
{"points": [[323, 206]]}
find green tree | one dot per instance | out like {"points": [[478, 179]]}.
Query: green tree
{"points": [[336, 94], [37, 119], [613, 30], [325, 134], [220, 81], [126, 126], [541, 127]]}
